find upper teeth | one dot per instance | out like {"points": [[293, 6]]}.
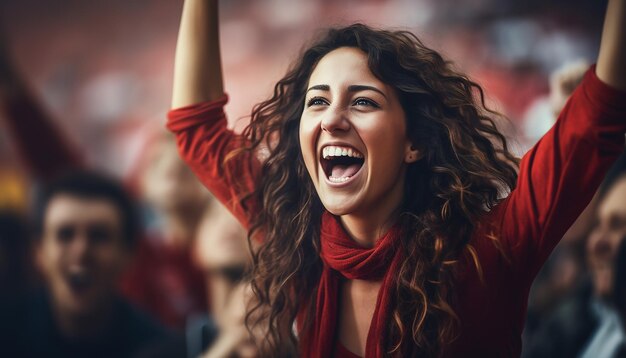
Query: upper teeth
{"points": [[336, 151]]}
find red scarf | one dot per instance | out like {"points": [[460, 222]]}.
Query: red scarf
{"points": [[343, 256]]}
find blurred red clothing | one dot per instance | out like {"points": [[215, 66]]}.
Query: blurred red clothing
{"points": [[164, 281]]}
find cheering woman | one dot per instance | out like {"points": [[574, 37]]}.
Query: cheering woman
{"points": [[392, 218]]}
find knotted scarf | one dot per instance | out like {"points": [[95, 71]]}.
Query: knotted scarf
{"points": [[342, 256]]}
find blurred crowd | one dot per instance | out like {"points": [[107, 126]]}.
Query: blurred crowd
{"points": [[109, 246]]}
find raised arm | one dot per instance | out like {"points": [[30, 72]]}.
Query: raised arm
{"points": [[611, 68], [198, 118], [560, 174], [198, 67]]}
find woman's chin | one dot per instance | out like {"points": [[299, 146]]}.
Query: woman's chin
{"points": [[339, 207]]}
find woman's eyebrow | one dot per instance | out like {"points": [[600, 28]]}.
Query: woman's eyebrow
{"points": [[358, 88], [351, 88], [319, 87]]}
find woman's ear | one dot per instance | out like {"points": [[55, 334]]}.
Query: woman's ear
{"points": [[412, 154]]}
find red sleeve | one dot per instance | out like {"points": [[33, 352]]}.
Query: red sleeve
{"points": [[204, 141], [560, 174], [40, 144]]}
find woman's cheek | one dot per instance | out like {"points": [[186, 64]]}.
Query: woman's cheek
{"points": [[307, 143]]}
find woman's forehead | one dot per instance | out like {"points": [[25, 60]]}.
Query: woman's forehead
{"points": [[345, 65]]}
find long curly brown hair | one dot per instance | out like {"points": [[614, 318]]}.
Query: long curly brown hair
{"points": [[465, 170]]}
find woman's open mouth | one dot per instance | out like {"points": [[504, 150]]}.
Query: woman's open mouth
{"points": [[340, 163]]}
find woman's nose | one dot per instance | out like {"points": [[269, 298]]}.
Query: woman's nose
{"points": [[335, 119]]}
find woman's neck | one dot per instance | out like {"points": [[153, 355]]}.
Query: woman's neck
{"points": [[367, 229], [369, 224]]}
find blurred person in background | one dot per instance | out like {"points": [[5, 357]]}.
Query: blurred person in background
{"points": [[165, 279], [586, 324], [86, 226], [223, 253], [162, 278]]}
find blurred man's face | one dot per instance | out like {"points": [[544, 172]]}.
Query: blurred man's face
{"points": [[605, 238], [82, 252]]}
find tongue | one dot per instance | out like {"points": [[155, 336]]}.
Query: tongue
{"points": [[344, 171]]}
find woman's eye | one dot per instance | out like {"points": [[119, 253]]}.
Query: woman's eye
{"points": [[365, 102], [316, 101]]}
